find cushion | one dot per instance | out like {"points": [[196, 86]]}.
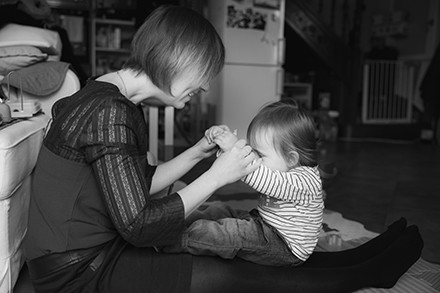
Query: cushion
{"points": [[46, 40], [13, 224], [17, 57], [40, 79], [19, 147]]}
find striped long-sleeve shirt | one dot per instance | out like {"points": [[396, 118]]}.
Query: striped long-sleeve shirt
{"points": [[292, 203]]}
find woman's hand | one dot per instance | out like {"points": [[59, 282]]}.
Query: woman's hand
{"points": [[234, 164], [204, 149], [227, 168]]}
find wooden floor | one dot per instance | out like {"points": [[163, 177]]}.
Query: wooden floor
{"points": [[377, 182]]}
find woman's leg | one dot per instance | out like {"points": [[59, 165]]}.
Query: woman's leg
{"points": [[212, 275], [142, 269], [360, 253]]}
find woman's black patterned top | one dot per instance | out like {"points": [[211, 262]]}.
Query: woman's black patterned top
{"points": [[100, 127]]}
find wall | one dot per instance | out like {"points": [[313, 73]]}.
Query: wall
{"points": [[422, 22], [423, 28]]}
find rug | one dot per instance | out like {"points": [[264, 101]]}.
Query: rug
{"points": [[339, 233]]}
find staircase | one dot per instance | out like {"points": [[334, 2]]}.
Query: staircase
{"points": [[341, 53], [319, 36]]}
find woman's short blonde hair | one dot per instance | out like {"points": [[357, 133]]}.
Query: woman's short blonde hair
{"points": [[175, 40]]}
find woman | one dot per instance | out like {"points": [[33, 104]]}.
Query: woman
{"points": [[93, 225], [92, 183]]}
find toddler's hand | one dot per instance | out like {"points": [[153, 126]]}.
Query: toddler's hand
{"points": [[212, 132], [222, 136], [226, 140]]}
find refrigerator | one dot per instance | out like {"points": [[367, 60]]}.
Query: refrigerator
{"points": [[253, 35]]}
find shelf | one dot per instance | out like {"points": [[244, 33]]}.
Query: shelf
{"points": [[69, 4], [117, 22], [110, 42], [112, 50], [302, 92], [297, 84]]}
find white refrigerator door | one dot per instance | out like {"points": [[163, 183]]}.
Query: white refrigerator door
{"points": [[244, 90], [252, 31]]}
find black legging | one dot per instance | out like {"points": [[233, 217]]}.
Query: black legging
{"points": [[379, 263]]}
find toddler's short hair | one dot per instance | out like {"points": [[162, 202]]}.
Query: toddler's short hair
{"points": [[291, 129]]}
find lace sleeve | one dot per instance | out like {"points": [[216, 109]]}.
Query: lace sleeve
{"points": [[116, 150]]}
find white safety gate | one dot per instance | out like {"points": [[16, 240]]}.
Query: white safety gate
{"points": [[388, 91]]}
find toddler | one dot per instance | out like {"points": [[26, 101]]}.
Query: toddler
{"points": [[284, 228]]}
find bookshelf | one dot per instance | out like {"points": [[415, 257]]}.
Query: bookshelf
{"points": [[109, 43]]}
